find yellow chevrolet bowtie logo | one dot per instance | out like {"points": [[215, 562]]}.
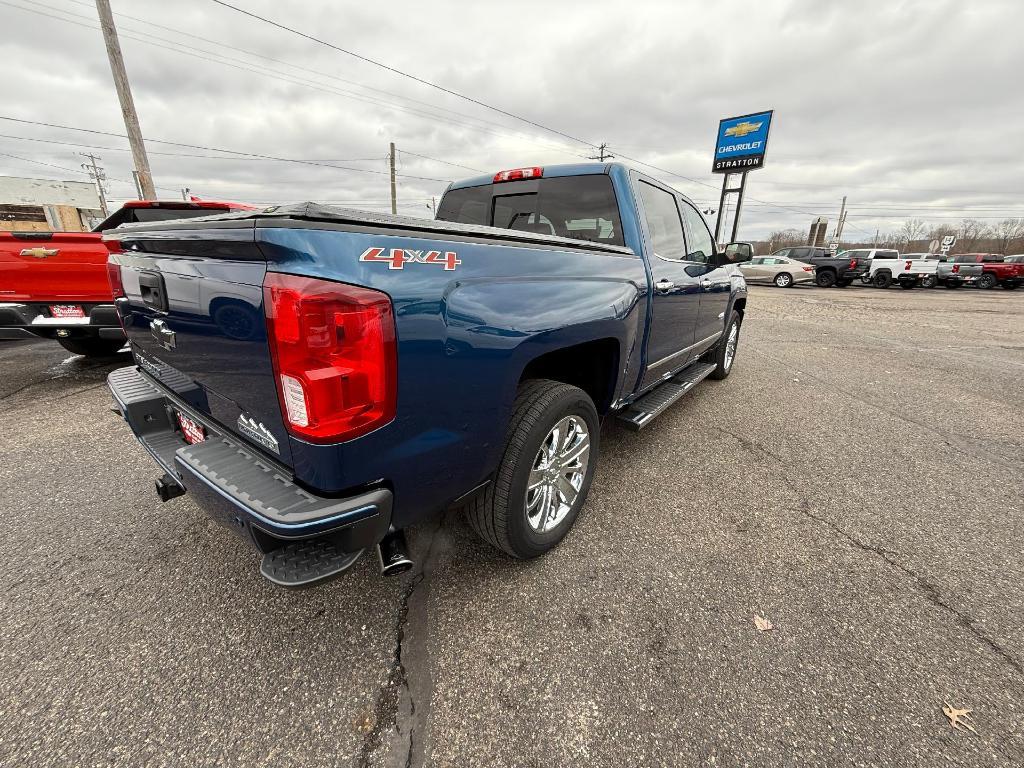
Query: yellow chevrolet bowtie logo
{"points": [[39, 253], [742, 129]]}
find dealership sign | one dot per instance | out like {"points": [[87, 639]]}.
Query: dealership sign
{"points": [[741, 142]]}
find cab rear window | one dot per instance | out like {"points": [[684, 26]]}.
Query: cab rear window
{"points": [[578, 207]]}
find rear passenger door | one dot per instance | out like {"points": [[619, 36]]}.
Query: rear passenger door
{"points": [[675, 299], [715, 281]]}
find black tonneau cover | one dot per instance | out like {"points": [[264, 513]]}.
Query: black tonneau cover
{"points": [[278, 216]]}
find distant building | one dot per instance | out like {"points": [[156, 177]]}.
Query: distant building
{"points": [[40, 205]]}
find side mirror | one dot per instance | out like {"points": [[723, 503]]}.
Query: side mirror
{"points": [[735, 253]]}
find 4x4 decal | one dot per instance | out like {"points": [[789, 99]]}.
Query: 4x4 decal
{"points": [[397, 258]]}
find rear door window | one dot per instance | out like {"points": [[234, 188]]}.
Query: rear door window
{"points": [[701, 244], [663, 222], [800, 253]]}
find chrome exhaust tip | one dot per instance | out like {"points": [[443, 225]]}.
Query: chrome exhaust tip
{"points": [[393, 553]]}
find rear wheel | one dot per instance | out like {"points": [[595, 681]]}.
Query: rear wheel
{"points": [[92, 347], [929, 281], [545, 472], [882, 278], [986, 281], [825, 279], [784, 280]]}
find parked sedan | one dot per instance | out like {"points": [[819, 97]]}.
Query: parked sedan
{"points": [[780, 270]]}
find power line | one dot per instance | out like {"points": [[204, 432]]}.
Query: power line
{"points": [[404, 74], [287, 77], [317, 72], [438, 160], [217, 149]]}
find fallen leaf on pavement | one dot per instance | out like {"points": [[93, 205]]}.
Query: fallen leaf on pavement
{"points": [[959, 719], [762, 623]]}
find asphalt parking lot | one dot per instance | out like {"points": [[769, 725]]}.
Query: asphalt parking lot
{"points": [[858, 481]]}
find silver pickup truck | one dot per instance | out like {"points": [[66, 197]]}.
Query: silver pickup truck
{"points": [[948, 273]]}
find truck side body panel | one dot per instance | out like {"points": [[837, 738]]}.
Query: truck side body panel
{"points": [[464, 338]]}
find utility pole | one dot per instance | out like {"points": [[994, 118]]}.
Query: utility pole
{"points": [[842, 220], [602, 153], [394, 196], [433, 205], [98, 175], [124, 95]]}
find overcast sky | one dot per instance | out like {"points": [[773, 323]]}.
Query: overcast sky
{"points": [[909, 108]]}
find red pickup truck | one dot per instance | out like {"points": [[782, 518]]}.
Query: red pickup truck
{"points": [[54, 284], [995, 271]]}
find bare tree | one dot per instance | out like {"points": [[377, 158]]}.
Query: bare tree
{"points": [[912, 229], [785, 238], [970, 233], [1007, 235]]}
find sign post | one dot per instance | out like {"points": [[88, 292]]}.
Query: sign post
{"points": [[739, 148]]}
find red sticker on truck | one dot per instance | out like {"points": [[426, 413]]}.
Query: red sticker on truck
{"points": [[397, 258]]}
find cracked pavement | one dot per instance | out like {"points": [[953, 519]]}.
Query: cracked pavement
{"points": [[858, 480]]}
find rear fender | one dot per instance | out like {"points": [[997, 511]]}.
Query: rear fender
{"points": [[525, 319]]}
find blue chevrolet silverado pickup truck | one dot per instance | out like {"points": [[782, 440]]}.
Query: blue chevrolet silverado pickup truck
{"points": [[320, 378]]}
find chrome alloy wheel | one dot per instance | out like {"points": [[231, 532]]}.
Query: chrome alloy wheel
{"points": [[557, 474], [730, 345]]}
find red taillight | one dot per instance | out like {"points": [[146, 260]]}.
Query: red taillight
{"points": [[956, 268], [334, 356], [808, 269], [518, 173], [853, 263], [114, 279]]}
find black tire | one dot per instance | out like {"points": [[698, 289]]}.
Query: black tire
{"points": [[717, 353], [825, 279], [986, 281], [908, 285], [498, 514], [844, 282], [92, 347], [929, 281], [882, 279], [784, 280]]}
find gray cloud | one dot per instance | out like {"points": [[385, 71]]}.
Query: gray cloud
{"points": [[896, 104]]}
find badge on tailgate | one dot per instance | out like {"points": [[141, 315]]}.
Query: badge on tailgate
{"points": [[257, 432], [163, 335]]}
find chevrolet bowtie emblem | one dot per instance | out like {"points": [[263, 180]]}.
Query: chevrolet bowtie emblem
{"points": [[39, 253], [164, 335], [742, 129]]}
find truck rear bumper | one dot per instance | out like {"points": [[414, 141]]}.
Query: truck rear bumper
{"points": [[235, 485], [20, 320]]}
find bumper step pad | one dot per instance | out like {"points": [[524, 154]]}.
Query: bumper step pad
{"points": [[642, 411], [306, 563]]}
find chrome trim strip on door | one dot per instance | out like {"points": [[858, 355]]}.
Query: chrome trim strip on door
{"points": [[674, 355]]}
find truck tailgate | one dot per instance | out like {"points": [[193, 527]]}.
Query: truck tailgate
{"points": [[53, 266], [193, 313]]}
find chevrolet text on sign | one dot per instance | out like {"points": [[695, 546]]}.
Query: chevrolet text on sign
{"points": [[741, 142]]}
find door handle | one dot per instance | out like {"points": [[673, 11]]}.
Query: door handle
{"points": [[664, 285]]}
